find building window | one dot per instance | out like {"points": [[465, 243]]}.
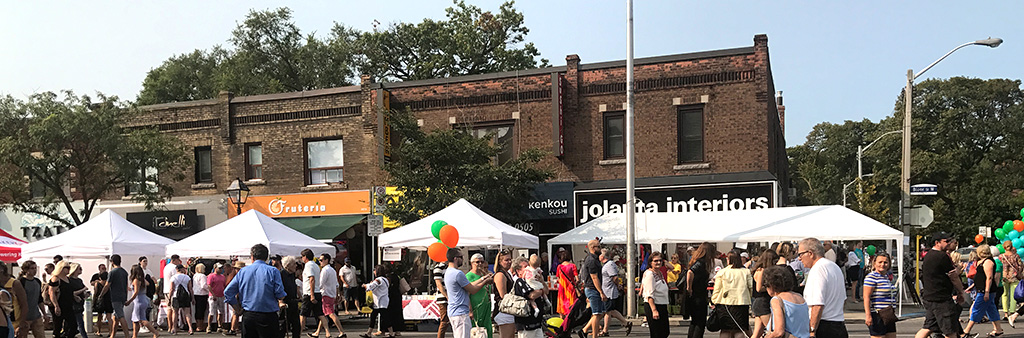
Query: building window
{"points": [[38, 189], [254, 161], [501, 137], [324, 161], [691, 134], [204, 165], [144, 179], [614, 135]]}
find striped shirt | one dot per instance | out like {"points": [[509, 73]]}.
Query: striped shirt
{"points": [[438, 274], [882, 296]]}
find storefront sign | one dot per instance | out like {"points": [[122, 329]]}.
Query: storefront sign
{"points": [[36, 226], [700, 198], [550, 201], [173, 224], [352, 202]]}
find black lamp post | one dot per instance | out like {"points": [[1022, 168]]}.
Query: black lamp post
{"points": [[238, 193]]}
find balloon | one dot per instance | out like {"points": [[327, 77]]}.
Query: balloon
{"points": [[1020, 252], [1022, 213], [1007, 226], [870, 250], [1000, 233], [979, 238], [1018, 225], [1001, 249], [435, 228], [450, 236], [1012, 235], [1017, 242], [438, 252]]}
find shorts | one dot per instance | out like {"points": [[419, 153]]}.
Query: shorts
{"points": [[216, 307], [597, 306], [176, 305], [761, 306], [613, 304], [309, 309], [103, 305], [878, 328], [941, 317], [327, 305], [118, 309], [354, 293], [734, 317]]}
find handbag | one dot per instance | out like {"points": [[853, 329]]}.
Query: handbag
{"points": [[888, 315], [514, 305], [712, 323]]}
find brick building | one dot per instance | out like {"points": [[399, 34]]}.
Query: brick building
{"points": [[708, 132]]}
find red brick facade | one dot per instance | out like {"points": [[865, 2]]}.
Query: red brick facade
{"points": [[741, 124]]}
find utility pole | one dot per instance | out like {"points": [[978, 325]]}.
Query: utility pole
{"points": [[630, 172]]}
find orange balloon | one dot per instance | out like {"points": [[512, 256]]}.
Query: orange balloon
{"points": [[450, 236], [1018, 225], [979, 238], [438, 252]]}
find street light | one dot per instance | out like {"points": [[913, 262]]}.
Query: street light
{"points": [[856, 180], [238, 193]]}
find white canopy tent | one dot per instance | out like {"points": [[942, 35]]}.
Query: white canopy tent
{"points": [[237, 235], [476, 229], [103, 235], [830, 222]]}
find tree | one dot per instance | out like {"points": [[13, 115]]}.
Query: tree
{"points": [[433, 170], [470, 41], [966, 140], [58, 148], [268, 53]]}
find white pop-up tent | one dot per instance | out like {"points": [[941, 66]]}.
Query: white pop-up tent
{"points": [[237, 235], [829, 222], [476, 229], [103, 235]]}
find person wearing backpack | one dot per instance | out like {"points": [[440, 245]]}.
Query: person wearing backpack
{"points": [[13, 303], [181, 299]]}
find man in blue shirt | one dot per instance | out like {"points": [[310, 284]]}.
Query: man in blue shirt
{"points": [[459, 288], [259, 288]]}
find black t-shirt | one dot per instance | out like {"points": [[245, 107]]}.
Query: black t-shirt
{"points": [[102, 276], [936, 285], [531, 322], [592, 266], [78, 284], [288, 279]]}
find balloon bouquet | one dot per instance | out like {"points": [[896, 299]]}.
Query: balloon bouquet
{"points": [[1012, 231], [447, 237]]}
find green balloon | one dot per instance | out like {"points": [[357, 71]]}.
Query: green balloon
{"points": [[1022, 213], [1007, 226], [435, 228], [1000, 233], [870, 250], [1001, 250]]}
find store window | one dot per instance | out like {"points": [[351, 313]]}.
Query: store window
{"points": [[614, 136], [204, 166], [691, 134], [144, 180], [254, 161], [324, 161], [500, 136]]}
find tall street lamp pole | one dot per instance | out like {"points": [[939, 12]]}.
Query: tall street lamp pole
{"points": [[908, 100], [630, 172]]}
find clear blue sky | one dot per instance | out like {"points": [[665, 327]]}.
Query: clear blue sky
{"points": [[834, 60]]}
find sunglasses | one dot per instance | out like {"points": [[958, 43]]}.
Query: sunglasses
{"points": [[798, 254], [657, 260]]}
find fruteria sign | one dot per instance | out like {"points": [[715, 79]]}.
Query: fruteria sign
{"points": [[352, 202]]}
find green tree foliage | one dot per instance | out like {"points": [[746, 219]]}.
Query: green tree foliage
{"points": [[53, 146], [433, 170], [967, 139], [268, 53], [828, 160], [470, 41]]}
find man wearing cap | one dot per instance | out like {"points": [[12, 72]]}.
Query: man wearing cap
{"points": [[939, 280], [350, 284], [169, 271], [216, 282], [592, 286]]}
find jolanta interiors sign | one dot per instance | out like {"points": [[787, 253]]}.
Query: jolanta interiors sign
{"points": [[591, 204]]}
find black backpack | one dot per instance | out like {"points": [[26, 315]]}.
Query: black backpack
{"points": [[182, 295]]}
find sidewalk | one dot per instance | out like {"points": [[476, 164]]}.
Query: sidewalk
{"points": [[854, 313]]}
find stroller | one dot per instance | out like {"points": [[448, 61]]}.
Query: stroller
{"points": [[577, 317]]}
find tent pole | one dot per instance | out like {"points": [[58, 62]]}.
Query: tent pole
{"points": [[899, 279]]}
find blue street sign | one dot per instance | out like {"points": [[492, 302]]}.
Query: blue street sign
{"points": [[924, 190]]}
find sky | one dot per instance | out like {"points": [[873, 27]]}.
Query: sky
{"points": [[833, 60]]}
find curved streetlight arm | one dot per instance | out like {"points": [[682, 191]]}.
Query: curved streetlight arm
{"points": [[993, 43], [865, 148]]}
